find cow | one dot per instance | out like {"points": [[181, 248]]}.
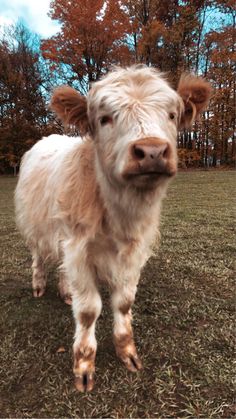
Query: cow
{"points": [[92, 203]]}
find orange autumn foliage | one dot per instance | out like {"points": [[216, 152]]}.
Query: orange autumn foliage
{"points": [[91, 36]]}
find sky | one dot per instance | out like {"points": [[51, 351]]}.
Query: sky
{"points": [[32, 12]]}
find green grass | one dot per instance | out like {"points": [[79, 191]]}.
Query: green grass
{"points": [[183, 320]]}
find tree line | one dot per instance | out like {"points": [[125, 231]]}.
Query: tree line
{"points": [[173, 35]]}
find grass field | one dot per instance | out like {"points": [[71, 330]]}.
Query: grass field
{"points": [[183, 320]]}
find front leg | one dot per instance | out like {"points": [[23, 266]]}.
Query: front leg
{"points": [[86, 306], [122, 300]]}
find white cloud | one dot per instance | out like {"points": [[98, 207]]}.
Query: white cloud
{"points": [[5, 21], [33, 12]]}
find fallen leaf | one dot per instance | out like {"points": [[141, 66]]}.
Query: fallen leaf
{"points": [[61, 350]]}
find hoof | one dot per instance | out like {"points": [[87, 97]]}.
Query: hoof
{"points": [[126, 351], [132, 363], [64, 293], [84, 368], [84, 382], [38, 292], [67, 299]]}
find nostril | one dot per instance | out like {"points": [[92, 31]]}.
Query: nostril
{"points": [[139, 153], [165, 152]]}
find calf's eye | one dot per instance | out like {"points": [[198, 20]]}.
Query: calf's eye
{"points": [[106, 119], [171, 115]]}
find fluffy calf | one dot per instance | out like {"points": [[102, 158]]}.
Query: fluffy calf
{"points": [[93, 203]]}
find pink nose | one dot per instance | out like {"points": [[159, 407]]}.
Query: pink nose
{"points": [[151, 158]]}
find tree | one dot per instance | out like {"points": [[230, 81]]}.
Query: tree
{"points": [[91, 39], [22, 106], [166, 33], [222, 68], [173, 35]]}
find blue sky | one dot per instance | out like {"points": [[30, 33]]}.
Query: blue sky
{"points": [[32, 12]]}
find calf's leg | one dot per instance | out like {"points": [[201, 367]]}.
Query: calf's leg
{"points": [[39, 275], [86, 305], [64, 289], [122, 300]]}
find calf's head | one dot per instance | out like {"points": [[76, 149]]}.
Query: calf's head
{"points": [[133, 117]]}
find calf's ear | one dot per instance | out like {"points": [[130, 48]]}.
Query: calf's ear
{"points": [[196, 93], [70, 107]]}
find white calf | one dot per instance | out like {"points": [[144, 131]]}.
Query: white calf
{"points": [[93, 203]]}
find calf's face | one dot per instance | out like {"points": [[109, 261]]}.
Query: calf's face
{"points": [[133, 116]]}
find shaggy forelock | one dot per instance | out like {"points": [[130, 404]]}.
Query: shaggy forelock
{"points": [[124, 87]]}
